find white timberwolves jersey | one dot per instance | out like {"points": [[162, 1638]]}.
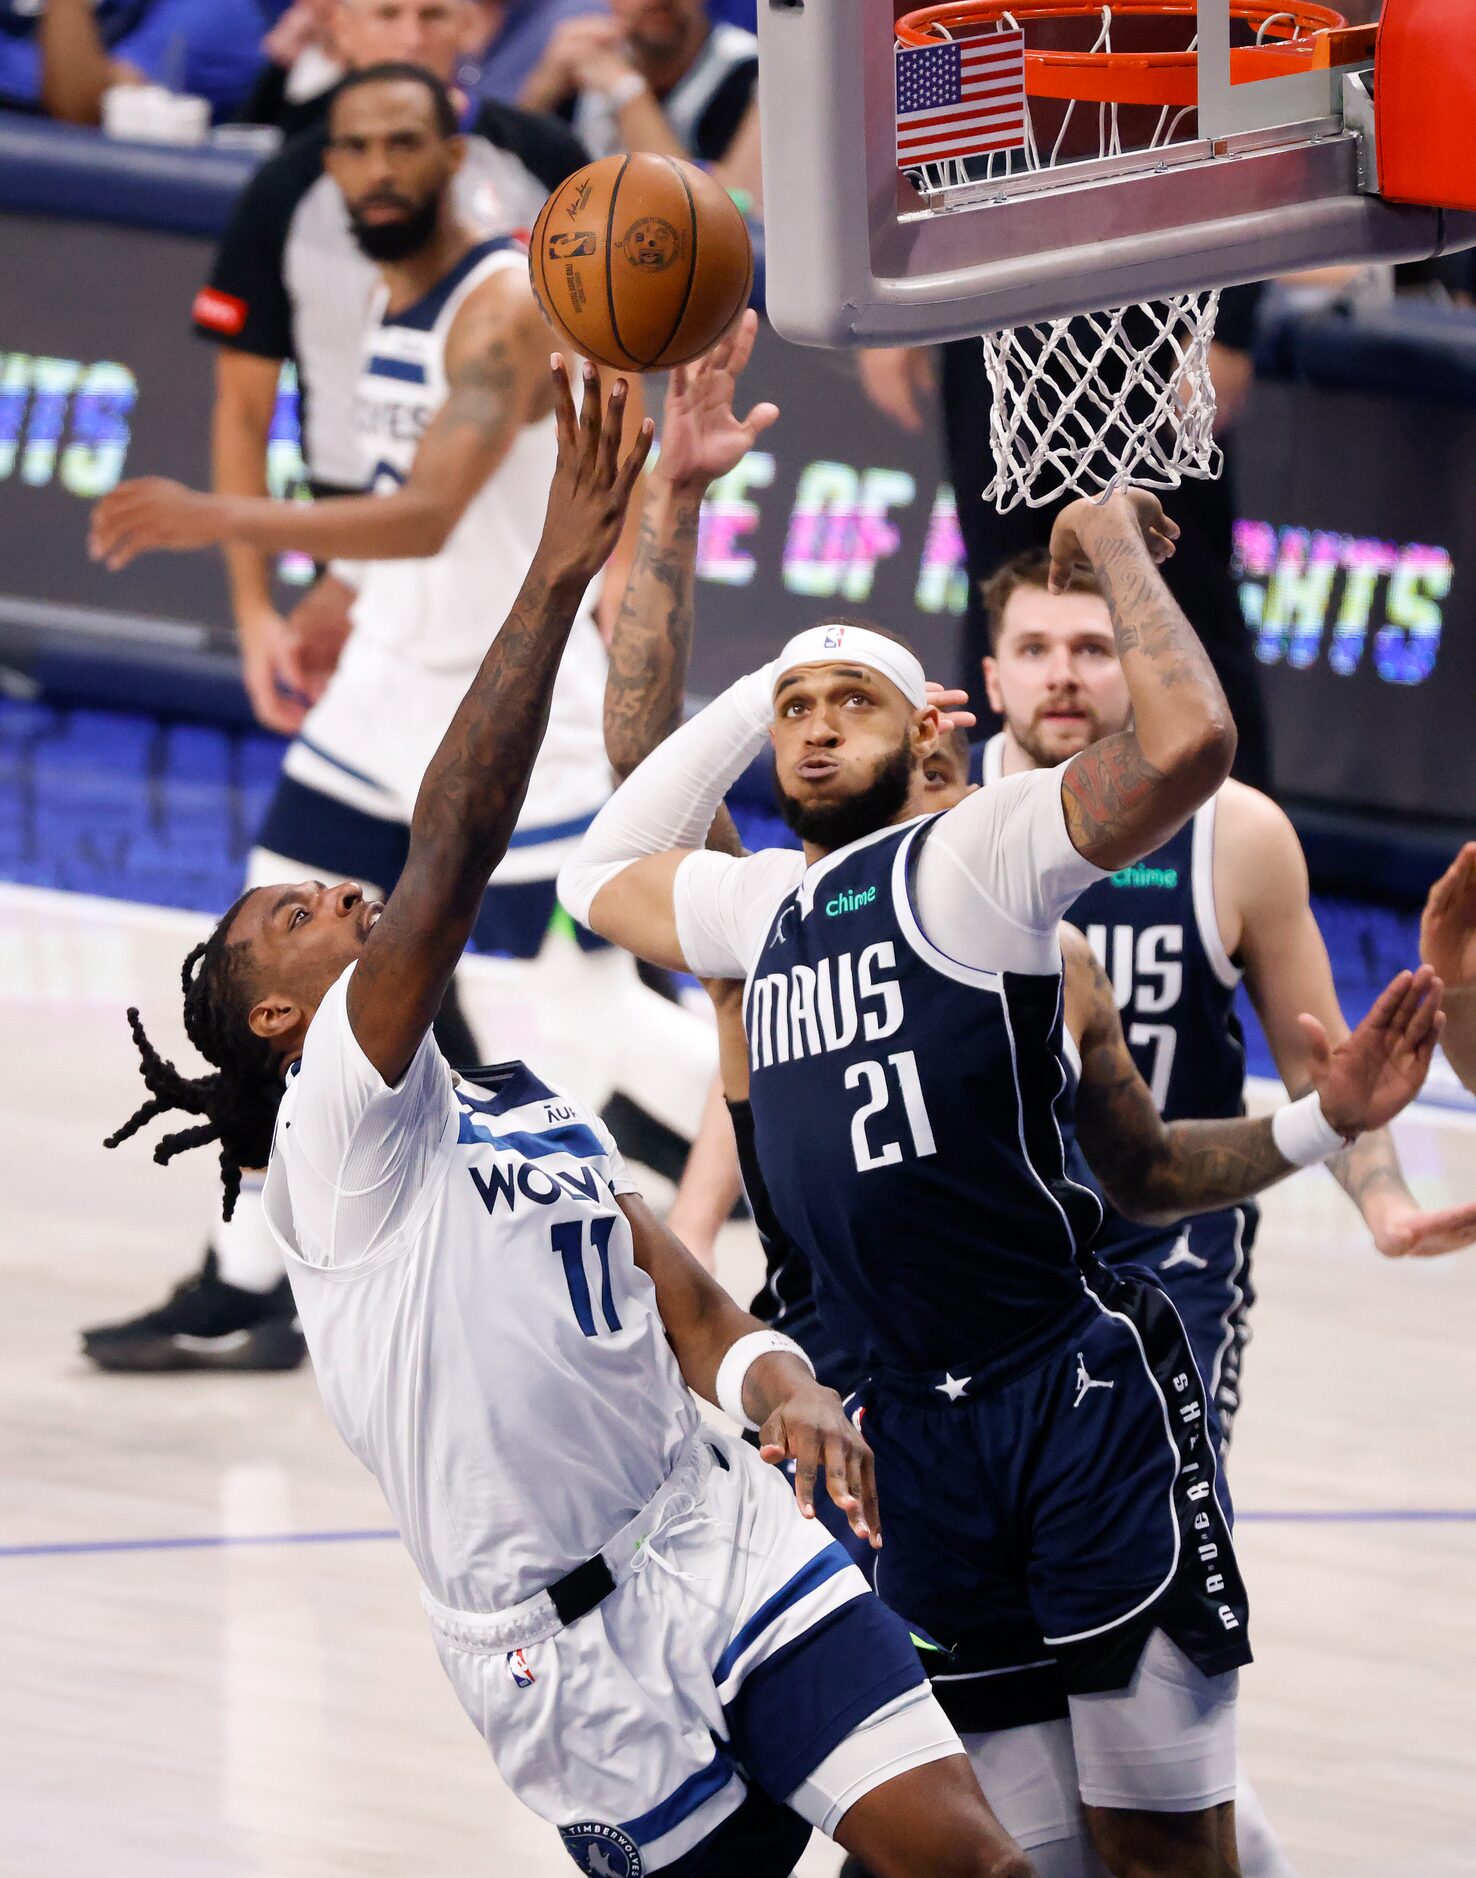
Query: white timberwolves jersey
{"points": [[439, 615], [483, 1338]]}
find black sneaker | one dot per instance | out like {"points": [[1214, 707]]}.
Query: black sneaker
{"points": [[206, 1324]]}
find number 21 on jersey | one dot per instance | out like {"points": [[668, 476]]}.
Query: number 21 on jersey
{"points": [[876, 1126]]}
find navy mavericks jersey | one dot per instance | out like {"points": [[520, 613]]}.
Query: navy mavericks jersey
{"points": [[1154, 931], [905, 1115]]}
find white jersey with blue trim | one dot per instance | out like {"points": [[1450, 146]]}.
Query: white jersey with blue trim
{"points": [[439, 614], [482, 1336]]}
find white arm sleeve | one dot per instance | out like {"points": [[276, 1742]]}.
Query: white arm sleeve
{"points": [[997, 873], [670, 800], [357, 1153]]}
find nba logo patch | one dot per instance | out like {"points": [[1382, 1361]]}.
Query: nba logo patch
{"points": [[602, 1851], [517, 1668], [834, 638]]}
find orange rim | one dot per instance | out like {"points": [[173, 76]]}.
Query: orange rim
{"points": [[1165, 79]]}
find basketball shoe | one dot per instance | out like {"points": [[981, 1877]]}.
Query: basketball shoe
{"points": [[204, 1324]]}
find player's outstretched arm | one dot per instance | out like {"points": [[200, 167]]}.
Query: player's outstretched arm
{"points": [[701, 438], [474, 786], [798, 1418], [1448, 942], [1127, 794], [1160, 1172], [1262, 886], [494, 367]]}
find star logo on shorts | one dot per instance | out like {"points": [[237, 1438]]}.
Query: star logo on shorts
{"points": [[953, 1386]]}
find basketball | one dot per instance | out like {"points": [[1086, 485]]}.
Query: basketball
{"points": [[641, 262]]}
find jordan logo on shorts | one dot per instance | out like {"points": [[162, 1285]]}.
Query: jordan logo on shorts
{"points": [[1085, 1382], [1181, 1255]]}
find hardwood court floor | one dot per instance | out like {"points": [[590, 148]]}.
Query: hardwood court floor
{"points": [[212, 1665]]}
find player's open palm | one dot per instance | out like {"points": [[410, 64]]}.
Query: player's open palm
{"points": [[811, 1428], [1448, 924], [701, 435], [591, 486], [1381, 1067], [151, 512]]}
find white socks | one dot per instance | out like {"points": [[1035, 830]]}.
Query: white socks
{"points": [[245, 1251]]}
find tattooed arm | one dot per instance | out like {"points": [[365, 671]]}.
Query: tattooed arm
{"points": [[474, 786], [496, 353], [1161, 1172], [651, 646], [1127, 794]]}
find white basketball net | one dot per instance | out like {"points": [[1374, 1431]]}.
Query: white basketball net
{"points": [[1085, 405]]}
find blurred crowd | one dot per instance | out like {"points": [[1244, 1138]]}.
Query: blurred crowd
{"points": [[675, 75]]}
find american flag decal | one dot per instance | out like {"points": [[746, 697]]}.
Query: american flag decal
{"points": [[960, 98]]}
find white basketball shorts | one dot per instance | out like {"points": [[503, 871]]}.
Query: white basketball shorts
{"points": [[744, 1665]]}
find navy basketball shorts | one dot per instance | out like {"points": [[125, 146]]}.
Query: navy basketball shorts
{"points": [[1042, 1521], [1205, 1267]]}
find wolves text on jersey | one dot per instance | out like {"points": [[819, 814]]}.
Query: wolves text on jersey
{"points": [[508, 1179]]}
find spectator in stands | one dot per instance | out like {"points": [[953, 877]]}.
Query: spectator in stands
{"points": [[62, 56], [303, 64], [657, 75], [512, 38]]}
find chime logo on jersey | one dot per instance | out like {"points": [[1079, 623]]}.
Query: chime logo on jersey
{"points": [[517, 1668], [602, 1851]]}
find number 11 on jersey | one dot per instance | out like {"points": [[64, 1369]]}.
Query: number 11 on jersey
{"points": [[871, 1077]]}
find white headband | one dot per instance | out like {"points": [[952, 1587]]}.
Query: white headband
{"points": [[855, 645]]}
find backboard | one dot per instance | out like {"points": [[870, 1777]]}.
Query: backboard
{"points": [[1256, 157]]}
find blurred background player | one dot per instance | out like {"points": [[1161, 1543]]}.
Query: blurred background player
{"points": [[290, 281], [658, 75], [457, 441]]}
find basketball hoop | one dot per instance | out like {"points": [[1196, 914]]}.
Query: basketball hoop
{"points": [[1082, 406]]}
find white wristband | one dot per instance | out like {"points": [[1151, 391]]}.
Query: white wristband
{"points": [[741, 1357], [1303, 1134], [625, 91]]}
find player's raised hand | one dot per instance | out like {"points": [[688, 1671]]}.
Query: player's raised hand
{"points": [[1404, 1230], [1381, 1067], [951, 705], [810, 1428], [153, 512], [702, 437], [1448, 924], [1080, 524], [591, 486]]}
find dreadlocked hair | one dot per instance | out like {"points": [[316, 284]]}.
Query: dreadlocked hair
{"points": [[239, 1101]]}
